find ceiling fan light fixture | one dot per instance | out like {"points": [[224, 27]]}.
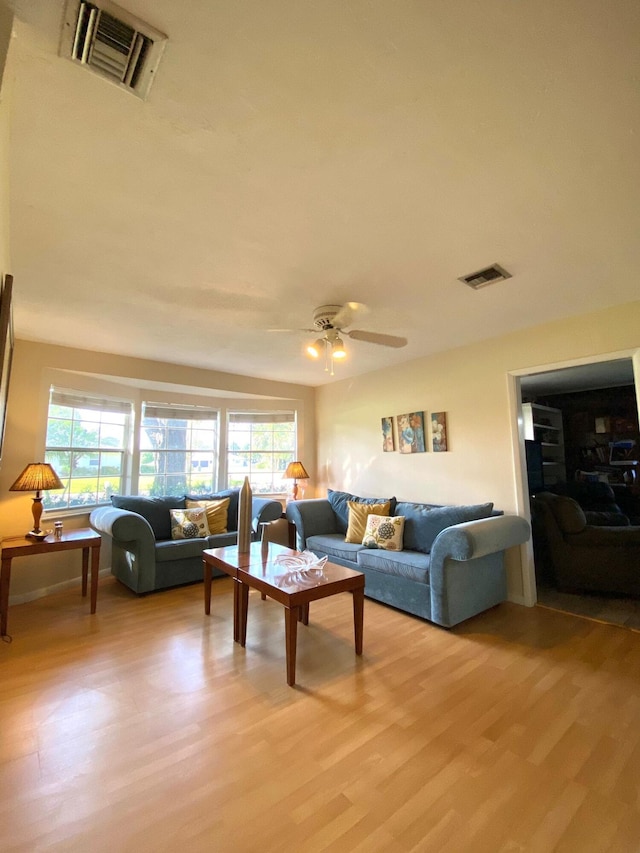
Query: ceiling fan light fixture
{"points": [[337, 349], [314, 350]]}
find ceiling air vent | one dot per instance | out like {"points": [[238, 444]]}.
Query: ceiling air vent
{"points": [[482, 278], [111, 42]]}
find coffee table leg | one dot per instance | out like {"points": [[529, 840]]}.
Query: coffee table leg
{"points": [[243, 607], [207, 588], [358, 617], [291, 616]]}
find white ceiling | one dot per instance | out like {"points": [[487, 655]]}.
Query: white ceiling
{"points": [[292, 154]]}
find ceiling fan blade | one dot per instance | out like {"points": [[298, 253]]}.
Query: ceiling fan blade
{"points": [[347, 314], [311, 331], [376, 338]]}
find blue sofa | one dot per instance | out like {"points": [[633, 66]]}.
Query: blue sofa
{"points": [[143, 554], [451, 566]]}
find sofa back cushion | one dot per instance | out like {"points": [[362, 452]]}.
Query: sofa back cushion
{"points": [[423, 522], [232, 510], [155, 510], [340, 504]]}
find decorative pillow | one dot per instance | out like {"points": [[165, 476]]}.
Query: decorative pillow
{"points": [[340, 504], [216, 512], [384, 531], [232, 511], [189, 523], [358, 513]]}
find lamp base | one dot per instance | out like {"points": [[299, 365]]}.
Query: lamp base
{"points": [[37, 534]]}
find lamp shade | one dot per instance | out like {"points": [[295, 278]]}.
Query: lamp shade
{"points": [[36, 477], [295, 471]]}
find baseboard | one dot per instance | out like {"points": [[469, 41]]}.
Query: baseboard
{"points": [[49, 590]]}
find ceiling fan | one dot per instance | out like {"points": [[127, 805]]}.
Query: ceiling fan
{"points": [[332, 322]]}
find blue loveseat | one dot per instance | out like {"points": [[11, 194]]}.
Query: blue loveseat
{"points": [[143, 554], [450, 568]]}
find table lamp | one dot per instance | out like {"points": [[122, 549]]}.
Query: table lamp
{"points": [[295, 471], [36, 477]]}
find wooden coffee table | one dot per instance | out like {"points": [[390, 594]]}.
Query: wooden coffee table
{"points": [[258, 569]]}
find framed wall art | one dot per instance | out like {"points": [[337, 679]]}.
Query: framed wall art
{"points": [[411, 433], [388, 442], [439, 432]]}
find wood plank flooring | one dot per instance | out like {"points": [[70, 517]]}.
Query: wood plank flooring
{"points": [[144, 728]]}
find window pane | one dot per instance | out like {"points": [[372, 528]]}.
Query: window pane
{"points": [[58, 433], [260, 449], [185, 453], [75, 436]]}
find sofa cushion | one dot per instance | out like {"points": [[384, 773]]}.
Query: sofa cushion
{"points": [[384, 532], [423, 522], [358, 515], [216, 512], [180, 549], [412, 565], [155, 510], [232, 510], [339, 503], [334, 545], [189, 523]]}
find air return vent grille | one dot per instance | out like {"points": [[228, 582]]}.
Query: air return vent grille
{"points": [[484, 277], [111, 42]]}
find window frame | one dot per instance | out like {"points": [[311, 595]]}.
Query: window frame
{"points": [[80, 401], [253, 417], [192, 414]]}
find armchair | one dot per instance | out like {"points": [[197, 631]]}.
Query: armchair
{"points": [[582, 556]]}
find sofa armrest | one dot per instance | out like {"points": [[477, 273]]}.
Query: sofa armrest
{"points": [[473, 539], [466, 571], [122, 525], [264, 510], [133, 546], [311, 518]]}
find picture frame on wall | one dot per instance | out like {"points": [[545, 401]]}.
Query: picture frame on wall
{"points": [[6, 352], [388, 440], [411, 433], [439, 440]]}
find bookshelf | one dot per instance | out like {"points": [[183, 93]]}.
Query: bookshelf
{"points": [[544, 425]]}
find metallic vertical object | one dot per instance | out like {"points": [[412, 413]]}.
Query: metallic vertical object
{"points": [[244, 518]]}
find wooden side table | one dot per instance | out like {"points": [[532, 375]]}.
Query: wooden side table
{"points": [[20, 546]]}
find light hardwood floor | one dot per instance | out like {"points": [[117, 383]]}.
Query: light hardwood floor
{"points": [[144, 728]]}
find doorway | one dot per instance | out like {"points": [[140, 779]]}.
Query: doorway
{"points": [[553, 384]]}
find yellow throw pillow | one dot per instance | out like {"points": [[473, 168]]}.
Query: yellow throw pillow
{"points": [[216, 512], [358, 513]]}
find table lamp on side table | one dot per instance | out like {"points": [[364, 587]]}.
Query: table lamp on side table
{"points": [[36, 477], [295, 471]]}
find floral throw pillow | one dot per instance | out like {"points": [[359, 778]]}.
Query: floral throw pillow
{"points": [[189, 523], [384, 532]]}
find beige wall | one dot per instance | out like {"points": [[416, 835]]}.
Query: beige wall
{"points": [[472, 385], [37, 366], [6, 22]]}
